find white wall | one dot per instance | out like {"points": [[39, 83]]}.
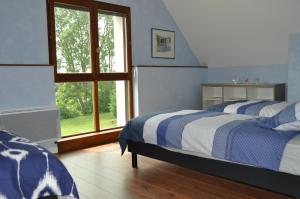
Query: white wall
{"points": [[237, 32]]}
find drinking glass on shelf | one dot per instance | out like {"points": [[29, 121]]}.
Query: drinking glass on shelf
{"points": [[257, 80], [235, 79]]}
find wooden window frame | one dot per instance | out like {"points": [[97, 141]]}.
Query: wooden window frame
{"points": [[95, 76]]}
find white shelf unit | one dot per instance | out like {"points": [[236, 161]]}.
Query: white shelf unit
{"points": [[235, 93], [213, 94]]}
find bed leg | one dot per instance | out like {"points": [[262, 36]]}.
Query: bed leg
{"points": [[134, 160]]}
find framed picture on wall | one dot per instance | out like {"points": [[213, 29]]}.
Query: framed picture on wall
{"points": [[163, 44]]}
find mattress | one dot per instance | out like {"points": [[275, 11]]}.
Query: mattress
{"points": [[290, 162], [222, 136]]}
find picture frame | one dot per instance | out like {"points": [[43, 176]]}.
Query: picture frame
{"points": [[162, 43]]}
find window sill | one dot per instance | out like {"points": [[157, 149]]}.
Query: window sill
{"points": [[73, 143]]}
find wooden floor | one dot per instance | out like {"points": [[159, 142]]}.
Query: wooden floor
{"points": [[101, 172]]}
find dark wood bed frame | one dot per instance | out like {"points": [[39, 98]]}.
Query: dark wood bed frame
{"points": [[278, 182]]}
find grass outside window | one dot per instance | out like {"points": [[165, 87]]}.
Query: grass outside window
{"points": [[81, 123]]}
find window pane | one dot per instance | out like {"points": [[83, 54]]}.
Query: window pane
{"points": [[72, 40], [112, 104], [111, 43], [75, 101]]}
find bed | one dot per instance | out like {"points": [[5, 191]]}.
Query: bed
{"points": [[228, 141], [28, 171]]}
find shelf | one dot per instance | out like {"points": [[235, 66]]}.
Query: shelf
{"points": [[244, 85], [234, 99], [217, 93], [214, 99], [270, 99]]}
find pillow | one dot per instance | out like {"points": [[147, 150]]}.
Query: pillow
{"points": [[272, 109], [286, 120], [222, 106], [241, 108], [262, 108]]}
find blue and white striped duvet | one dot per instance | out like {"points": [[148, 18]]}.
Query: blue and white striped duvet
{"points": [[231, 137]]}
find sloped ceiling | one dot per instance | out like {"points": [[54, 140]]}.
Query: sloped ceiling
{"points": [[237, 32]]}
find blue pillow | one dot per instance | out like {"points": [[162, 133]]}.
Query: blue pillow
{"points": [[286, 120]]}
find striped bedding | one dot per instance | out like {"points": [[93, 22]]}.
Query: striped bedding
{"points": [[262, 108], [230, 137]]}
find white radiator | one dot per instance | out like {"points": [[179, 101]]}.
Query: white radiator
{"points": [[40, 125]]}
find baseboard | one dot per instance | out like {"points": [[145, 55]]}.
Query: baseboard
{"points": [[49, 144]]}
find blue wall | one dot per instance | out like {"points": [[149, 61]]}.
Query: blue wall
{"points": [[23, 39], [289, 73], [161, 88], [294, 67], [147, 14], [23, 32], [26, 87], [266, 74]]}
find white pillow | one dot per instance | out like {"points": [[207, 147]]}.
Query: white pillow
{"points": [[286, 120]]}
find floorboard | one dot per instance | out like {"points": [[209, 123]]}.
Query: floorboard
{"points": [[101, 172]]}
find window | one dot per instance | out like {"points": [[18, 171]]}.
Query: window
{"points": [[112, 104], [111, 42], [72, 40], [75, 101], [91, 50]]}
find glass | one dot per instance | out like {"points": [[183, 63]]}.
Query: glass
{"points": [[75, 101], [257, 80], [72, 30], [111, 43], [112, 104], [235, 79]]}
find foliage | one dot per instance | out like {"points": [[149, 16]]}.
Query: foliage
{"points": [[74, 99], [113, 105], [106, 42], [106, 89], [73, 55]]}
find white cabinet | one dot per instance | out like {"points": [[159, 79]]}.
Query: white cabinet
{"points": [[217, 93]]}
